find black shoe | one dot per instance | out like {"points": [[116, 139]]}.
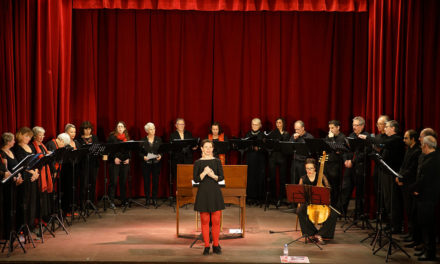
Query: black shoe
{"points": [[427, 257], [217, 249], [419, 248], [112, 206], [155, 203], [411, 245], [419, 253], [278, 203], [206, 251], [408, 239]]}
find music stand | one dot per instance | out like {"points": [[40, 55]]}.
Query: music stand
{"points": [[57, 217], [310, 195], [13, 235], [221, 147], [74, 156], [243, 144], [183, 146], [389, 172], [93, 150]]}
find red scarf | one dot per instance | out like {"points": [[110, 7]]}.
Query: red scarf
{"points": [[45, 180], [121, 137], [221, 137]]}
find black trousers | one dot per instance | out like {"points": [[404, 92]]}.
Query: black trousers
{"points": [[333, 171], [152, 169], [353, 177], [256, 172], [428, 221], [297, 170], [120, 171], [281, 163], [88, 181], [308, 228], [392, 198]]}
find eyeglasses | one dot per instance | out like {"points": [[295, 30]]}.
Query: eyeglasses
{"points": [[311, 168]]}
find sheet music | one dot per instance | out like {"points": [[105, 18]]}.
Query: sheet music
{"points": [[222, 183], [152, 156]]}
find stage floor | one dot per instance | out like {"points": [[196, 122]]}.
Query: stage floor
{"points": [[149, 236]]}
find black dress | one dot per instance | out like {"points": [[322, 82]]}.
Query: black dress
{"points": [[256, 161], [8, 196], [89, 171], [151, 166], [307, 227], [27, 193], [45, 198], [209, 197]]}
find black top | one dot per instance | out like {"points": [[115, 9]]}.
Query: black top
{"points": [[122, 155], [51, 145], [428, 181], [152, 148], [94, 160], [20, 154], [393, 151], [339, 139], [306, 180], [300, 139], [12, 162], [209, 196], [410, 164]]}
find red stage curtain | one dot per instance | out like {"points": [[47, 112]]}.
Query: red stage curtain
{"points": [[224, 66], [404, 62], [228, 5], [35, 64]]}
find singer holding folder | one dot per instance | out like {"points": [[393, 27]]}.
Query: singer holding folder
{"points": [[208, 171]]}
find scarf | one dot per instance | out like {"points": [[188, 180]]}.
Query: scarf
{"points": [[45, 180], [221, 137], [121, 137]]}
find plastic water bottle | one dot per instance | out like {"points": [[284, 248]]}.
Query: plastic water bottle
{"points": [[286, 250]]}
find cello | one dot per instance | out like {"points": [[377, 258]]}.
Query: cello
{"points": [[318, 213]]}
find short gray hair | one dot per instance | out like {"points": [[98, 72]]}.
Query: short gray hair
{"points": [[38, 130], [430, 141], [148, 126], [360, 119], [6, 138], [395, 124], [300, 122], [69, 126], [65, 138], [256, 120]]}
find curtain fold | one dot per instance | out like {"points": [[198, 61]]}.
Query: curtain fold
{"points": [[35, 61], [228, 5], [403, 62]]}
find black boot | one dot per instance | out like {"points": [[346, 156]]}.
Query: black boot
{"points": [[206, 251], [217, 249]]}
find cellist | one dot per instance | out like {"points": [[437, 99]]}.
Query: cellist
{"points": [[327, 229]]}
